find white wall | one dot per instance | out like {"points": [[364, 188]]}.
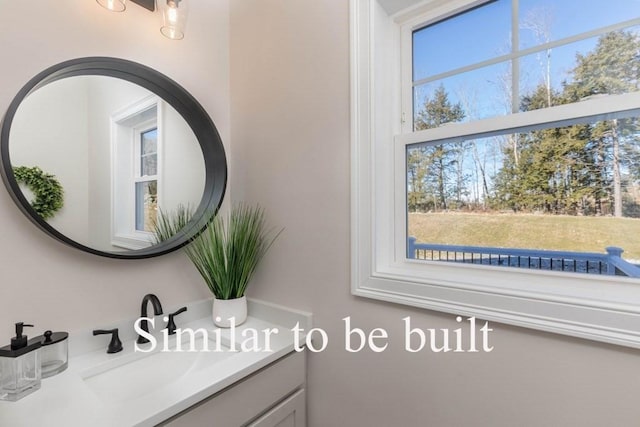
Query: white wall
{"points": [[50, 131], [290, 152], [43, 281], [183, 165]]}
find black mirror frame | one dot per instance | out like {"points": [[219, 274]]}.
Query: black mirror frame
{"points": [[171, 92]]}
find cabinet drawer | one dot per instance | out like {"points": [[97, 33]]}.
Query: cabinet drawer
{"points": [[248, 398]]}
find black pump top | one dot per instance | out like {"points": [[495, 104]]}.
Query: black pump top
{"points": [[19, 340], [20, 344]]}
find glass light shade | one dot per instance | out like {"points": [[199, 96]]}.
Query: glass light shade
{"points": [[113, 5], [174, 19]]}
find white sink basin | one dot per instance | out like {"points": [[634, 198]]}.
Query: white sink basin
{"points": [[134, 375]]}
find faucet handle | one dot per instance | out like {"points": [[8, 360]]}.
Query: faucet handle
{"points": [[115, 345], [171, 324]]}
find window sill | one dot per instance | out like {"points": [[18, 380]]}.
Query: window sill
{"points": [[606, 312], [131, 242]]}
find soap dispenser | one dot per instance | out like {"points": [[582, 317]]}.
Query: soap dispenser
{"points": [[20, 370]]}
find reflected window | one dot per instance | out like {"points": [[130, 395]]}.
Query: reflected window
{"points": [[146, 183], [136, 172]]}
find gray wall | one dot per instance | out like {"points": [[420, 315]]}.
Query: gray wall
{"points": [[290, 133]]}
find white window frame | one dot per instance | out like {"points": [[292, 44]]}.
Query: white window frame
{"points": [[127, 125], [594, 307], [137, 176]]}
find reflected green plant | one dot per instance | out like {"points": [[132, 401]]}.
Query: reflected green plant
{"points": [[168, 224], [49, 195]]}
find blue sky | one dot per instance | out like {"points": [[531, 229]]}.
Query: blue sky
{"points": [[485, 33]]}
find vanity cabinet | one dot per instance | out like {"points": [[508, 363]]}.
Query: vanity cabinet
{"points": [[274, 396]]}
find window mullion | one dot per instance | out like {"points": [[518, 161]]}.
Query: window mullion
{"points": [[515, 61], [406, 78], [603, 108]]}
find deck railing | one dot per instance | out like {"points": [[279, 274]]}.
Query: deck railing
{"points": [[610, 263]]}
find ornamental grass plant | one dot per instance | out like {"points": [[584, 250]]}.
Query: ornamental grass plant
{"points": [[228, 251]]}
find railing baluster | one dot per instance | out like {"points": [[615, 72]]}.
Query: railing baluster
{"points": [[584, 262]]}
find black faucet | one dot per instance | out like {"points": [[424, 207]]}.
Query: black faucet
{"points": [[171, 324], [157, 309], [115, 345]]}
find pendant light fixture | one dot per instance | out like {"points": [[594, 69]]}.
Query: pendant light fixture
{"points": [[174, 18], [174, 14], [113, 5]]}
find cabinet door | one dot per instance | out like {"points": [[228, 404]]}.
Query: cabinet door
{"points": [[289, 413]]}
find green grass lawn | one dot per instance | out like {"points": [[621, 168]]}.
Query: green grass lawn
{"points": [[569, 233]]}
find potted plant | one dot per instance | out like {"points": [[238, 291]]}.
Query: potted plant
{"points": [[225, 254]]}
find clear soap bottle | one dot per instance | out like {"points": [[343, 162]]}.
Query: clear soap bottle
{"points": [[20, 369]]}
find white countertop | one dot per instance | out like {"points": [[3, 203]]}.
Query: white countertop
{"points": [[72, 398]]}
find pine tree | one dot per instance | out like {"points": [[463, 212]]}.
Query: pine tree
{"points": [[549, 174], [613, 67], [434, 164], [577, 169]]}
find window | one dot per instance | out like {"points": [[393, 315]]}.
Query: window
{"points": [[136, 172], [481, 128], [146, 180]]}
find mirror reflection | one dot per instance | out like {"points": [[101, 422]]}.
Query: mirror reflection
{"points": [[120, 153]]}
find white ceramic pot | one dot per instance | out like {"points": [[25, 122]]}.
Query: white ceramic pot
{"points": [[226, 309]]}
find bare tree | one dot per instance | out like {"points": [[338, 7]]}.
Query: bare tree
{"points": [[539, 21]]}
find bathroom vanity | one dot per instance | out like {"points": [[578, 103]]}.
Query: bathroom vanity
{"points": [[226, 385]]}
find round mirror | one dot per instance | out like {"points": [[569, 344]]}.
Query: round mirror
{"points": [[96, 150]]}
